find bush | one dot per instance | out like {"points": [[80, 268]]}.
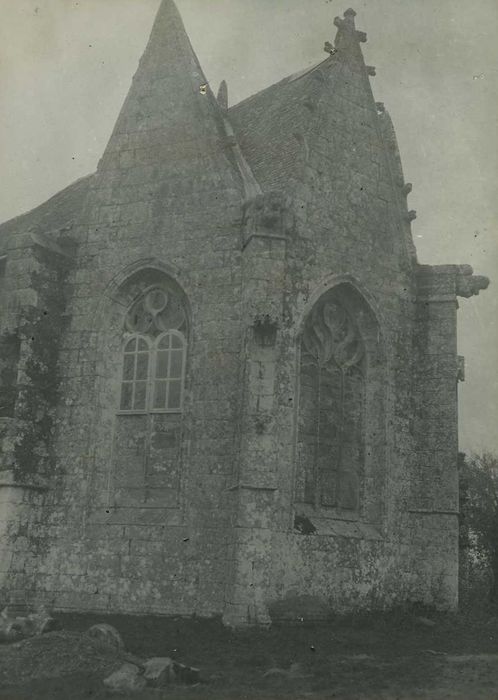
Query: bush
{"points": [[478, 535]]}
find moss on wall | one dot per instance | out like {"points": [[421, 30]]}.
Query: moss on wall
{"points": [[9, 357], [42, 329]]}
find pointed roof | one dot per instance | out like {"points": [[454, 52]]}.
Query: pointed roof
{"points": [[170, 116]]}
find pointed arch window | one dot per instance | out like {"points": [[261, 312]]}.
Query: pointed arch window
{"points": [[136, 361], [331, 421], [154, 355], [169, 369]]}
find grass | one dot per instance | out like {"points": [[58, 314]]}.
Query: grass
{"points": [[390, 655]]}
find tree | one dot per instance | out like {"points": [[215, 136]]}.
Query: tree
{"points": [[479, 513]]}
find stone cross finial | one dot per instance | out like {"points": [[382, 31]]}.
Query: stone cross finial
{"points": [[349, 24]]}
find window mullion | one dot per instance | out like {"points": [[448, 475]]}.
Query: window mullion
{"points": [[151, 375], [182, 374], [134, 383], [168, 373]]}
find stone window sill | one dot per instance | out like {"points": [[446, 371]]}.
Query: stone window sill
{"points": [[329, 523]]}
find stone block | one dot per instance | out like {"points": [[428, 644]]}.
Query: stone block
{"points": [[106, 635], [127, 679], [159, 672]]}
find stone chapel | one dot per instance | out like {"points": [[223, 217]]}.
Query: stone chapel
{"points": [[225, 380]]}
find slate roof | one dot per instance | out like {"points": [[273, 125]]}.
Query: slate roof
{"points": [[58, 211], [270, 125]]}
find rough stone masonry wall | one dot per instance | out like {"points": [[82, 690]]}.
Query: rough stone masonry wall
{"points": [[349, 227], [37, 294], [133, 561], [150, 210], [166, 205], [432, 503]]}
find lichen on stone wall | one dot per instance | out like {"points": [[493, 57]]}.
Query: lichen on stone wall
{"points": [[9, 358], [41, 330]]}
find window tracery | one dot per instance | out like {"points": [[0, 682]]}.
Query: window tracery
{"points": [[331, 408], [154, 356]]}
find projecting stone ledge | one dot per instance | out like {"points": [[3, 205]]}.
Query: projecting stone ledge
{"points": [[452, 280], [468, 284]]}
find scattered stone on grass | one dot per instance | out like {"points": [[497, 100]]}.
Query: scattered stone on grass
{"points": [[11, 631], [54, 655], [18, 622], [188, 675], [159, 672], [107, 635], [126, 679]]}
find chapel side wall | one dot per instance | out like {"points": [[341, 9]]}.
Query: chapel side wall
{"points": [[370, 559], [177, 564], [351, 224], [15, 282], [368, 562], [36, 291]]}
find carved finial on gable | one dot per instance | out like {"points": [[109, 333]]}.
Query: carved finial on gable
{"points": [[348, 23], [348, 36]]}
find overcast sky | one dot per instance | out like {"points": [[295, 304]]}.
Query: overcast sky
{"points": [[66, 66]]}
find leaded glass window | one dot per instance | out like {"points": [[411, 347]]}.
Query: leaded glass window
{"points": [[169, 371], [331, 408], [154, 354], [136, 362]]}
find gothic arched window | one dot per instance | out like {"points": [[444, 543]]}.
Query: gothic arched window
{"points": [[331, 408], [154, 355], [135, 374], [169, 367]]}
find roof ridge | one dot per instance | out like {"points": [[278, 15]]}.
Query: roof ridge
{"points": [[288, 79]]}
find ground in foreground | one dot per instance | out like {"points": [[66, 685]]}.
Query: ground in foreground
{"points": [[400, 656]]}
